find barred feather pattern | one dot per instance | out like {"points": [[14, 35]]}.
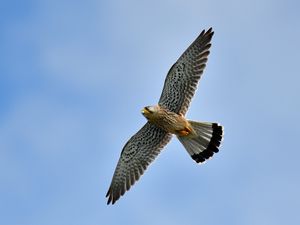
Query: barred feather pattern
{"points": [[183, 77], [137, 154], [179, 88], [205, 142]]}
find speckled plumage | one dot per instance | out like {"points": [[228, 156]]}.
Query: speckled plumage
{"points": [[137, 154], [182, 79], [167, 118]]}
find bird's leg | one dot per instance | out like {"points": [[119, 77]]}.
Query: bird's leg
{"points": [[184, 132], [185, 128]]}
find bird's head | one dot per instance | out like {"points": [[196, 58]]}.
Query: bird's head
{"points": [[150, 111]]}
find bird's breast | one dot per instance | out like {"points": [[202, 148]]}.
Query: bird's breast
{"points": [[169, 121]]}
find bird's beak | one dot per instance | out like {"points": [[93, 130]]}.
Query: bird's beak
{"points": [[144, 111]]}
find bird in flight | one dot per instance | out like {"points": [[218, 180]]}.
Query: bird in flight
{"points": [[200, 139]]}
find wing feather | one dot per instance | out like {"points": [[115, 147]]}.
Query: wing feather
{"points": [[183, 77], [137, 154]]}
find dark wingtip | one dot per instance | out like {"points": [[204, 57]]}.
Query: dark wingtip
{"points": [[205, 37], [109, 200], [109, 195], [202, 32], [210, 32]]}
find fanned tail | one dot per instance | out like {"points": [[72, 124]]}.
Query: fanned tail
{"points": [[204, 141]]}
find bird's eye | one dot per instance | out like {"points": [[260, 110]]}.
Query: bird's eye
{"points": [[148, 109]]}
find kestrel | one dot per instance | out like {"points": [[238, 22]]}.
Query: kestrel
{"points": [[200, 139]]}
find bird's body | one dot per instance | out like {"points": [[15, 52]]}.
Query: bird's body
{"points": [[167, 118]]}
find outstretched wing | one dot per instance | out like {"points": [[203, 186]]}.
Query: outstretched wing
{"points": [[137, 154], [182, 79]]}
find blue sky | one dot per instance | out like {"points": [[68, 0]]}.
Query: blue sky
{"points": [[74, 76]]}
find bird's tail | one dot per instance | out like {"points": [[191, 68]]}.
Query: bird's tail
{"points": [[204, 141]]}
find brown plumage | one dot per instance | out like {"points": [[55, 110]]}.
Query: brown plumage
{"points": [[167, 120], [200, 139]]}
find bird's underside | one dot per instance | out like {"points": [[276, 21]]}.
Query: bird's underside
{"points": [[167, 120], [200, 139]]}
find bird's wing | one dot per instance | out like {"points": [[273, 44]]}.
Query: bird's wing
{"points": [[182, 79], [137, 154]]}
